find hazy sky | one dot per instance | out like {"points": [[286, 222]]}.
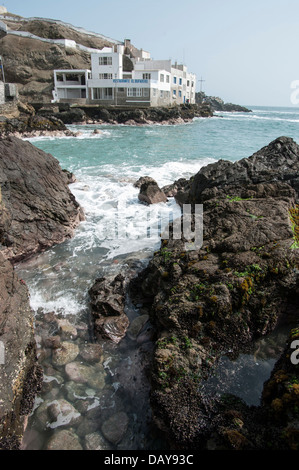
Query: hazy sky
{"points": [[246, 51]]}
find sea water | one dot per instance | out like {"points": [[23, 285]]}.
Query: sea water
{"points": [[120, 235]]}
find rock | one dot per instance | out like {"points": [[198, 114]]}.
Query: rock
{"points": [[91, 352], [95, 441], [107, 296], [52, 342], [278, 161], [38, 209], [66, 329], [62, 413], [217, 104], [107, 299], [115, 428], [70, 177], [150, 193], [67, 352], [171, 190], [136, 325], [239, 285], [64, 440], [112, 328], [82, 374], [20, 375]]}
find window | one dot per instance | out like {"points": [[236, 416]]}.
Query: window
{"points": [[174, 80], [188, 82], [180, 94], [59, 77], [103, 60], [174, 93], [146, 92], [105, 76], [167, 78], [161, 94], [134, 92], [102, 93], [162, 77], [180, 81], [146, 76], [127, 76]]}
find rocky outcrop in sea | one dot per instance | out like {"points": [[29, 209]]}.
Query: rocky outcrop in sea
{"points": [[215, 301], [217, 104]]}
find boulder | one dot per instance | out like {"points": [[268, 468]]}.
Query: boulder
{"points": [[64, 440], [149, 193], [107, 300], [65, 353], [115, 428], [37, 208]]}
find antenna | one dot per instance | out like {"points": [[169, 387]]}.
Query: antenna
{"points": [[201, 82]]}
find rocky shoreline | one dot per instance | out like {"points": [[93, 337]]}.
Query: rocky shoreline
{"points": [[27, 121], [204, 303], [240, 285]]}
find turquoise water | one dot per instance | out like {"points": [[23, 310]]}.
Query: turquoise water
{"points": [[106, 165]]}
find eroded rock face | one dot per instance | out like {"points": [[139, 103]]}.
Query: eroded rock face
{"points": [[238, 286], [37, 208], [20, 377]]}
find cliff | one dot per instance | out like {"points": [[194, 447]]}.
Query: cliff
{"points": [[31, 51]]}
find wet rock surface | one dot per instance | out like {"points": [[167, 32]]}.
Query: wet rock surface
{"points": [[241, 285], [20, 375], [107, 299], [149, 192], [37, 208]]}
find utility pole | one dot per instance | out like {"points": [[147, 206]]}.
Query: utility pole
{"points": [[201, 82], [2, 69]]}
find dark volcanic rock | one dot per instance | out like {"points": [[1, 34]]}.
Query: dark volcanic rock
{"points": [[240, 285], [37, 208], [150, 193], [20, 377], [217, 104], [278, 161], [107, 300], [31, 124]]}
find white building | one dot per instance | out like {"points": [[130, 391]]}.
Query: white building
{"points": [[70, 85], [124, 76]]}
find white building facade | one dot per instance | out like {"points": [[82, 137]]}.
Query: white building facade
{"points": [[118, 79]]}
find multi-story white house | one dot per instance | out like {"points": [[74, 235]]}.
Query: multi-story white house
{"points": [[124, 76]]}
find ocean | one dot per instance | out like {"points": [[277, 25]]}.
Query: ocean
{"points": [[119, 232]]}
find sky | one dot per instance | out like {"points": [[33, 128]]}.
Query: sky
{"points": [[245, 51]]}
